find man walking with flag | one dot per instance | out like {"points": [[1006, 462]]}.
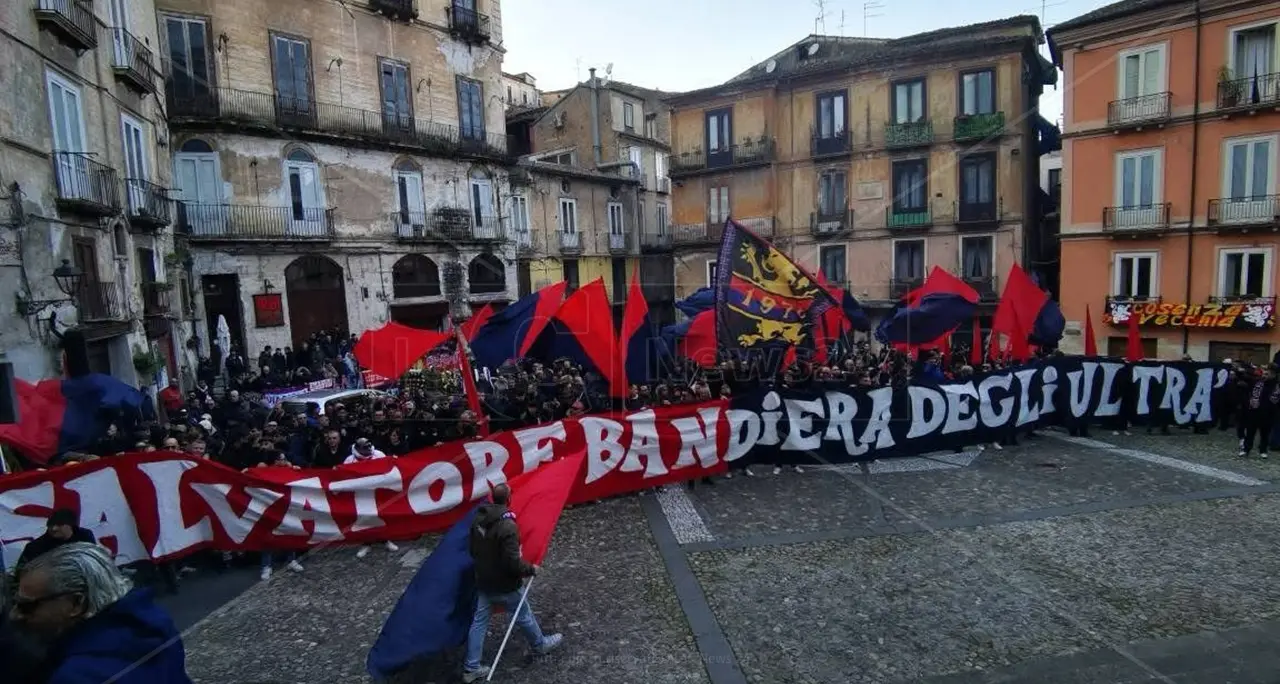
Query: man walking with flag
{"points": [[500, 573]]}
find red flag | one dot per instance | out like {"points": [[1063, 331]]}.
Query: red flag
{"points": [[1133, 350], [587, 314], [537, 499], [392, 349], [942, 281], [1020, 303], [632, 319], [975, 349], [944, 348], [1090, 344], [472, 325], [1019, 348], [469, 384], [699, 342]]}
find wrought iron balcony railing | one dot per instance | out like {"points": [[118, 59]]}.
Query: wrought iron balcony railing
{"points": [[71, 20], [157, 299], [1256, 210], [975, 214], [272, 111], [697, 233], [85, 185], [149, 204], [748, 153], [979, 126], [403, 10], [897, 218], [236, 222], [663, 185], [447, 225], [1146, 217], [1262, 90], [985, 285], [832, 220], [570, 243], [468, 24], [914, 134], [100, 302], [133, 63], [619, 243], [829, 144], [1134, 112], [655, 241], [901, 286]]}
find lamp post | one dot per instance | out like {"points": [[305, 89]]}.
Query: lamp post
{"points": [[69, 278]]}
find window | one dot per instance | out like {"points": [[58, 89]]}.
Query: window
{"points": [[65, 114], [618, 267], [1253, 54], [831, 114], [635, 155], [640, 213], [482, 210], [1244, 272], [292, 72], [908, 260], [1142, 72], [397, 99], [615, 219], [978, 92], [1135, 275], [977, 254], [908, 102], [1138, 189], [910, 186], [628, 116], [660, 166], [190, 72], [563, 159], [569, 267], [119, 12], [470, 109], [711, 273], [520, 214], [717, 205], [568, 216], [832, 260], [1055, 179], [662, 219], [1249, 172], [410, 203], [524, 97], [832, 200], [510, 98], [651, 127], [135, 160], [719, 130], [978, 180]]}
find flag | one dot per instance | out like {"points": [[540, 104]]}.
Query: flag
{"points": [[582, 330], [392, 349], [434, 613], [1133, 350], [1024, 306], [975, 350], [1090, 343], [638, 345], [1049, 325], [703, 299], [509, 333], [927, 313], [469, 383], [69, 414], [472, 325], [766, 303], [693, 339]]}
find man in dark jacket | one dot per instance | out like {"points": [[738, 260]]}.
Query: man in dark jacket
{"points": [[63, 528], [500, 572]]}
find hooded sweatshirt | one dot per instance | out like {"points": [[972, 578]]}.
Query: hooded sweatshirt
{"points": [[495, 548], [125, 635], [356, 458]]}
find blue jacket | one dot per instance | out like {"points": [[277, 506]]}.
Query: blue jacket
{"points": [[125, 635]]}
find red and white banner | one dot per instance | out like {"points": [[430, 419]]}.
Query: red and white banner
{"points": [[164, 505]]}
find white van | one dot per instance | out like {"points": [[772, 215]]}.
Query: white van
{"points": [[323, 399]]}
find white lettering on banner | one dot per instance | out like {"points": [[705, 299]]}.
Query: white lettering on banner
{"points": [[646, 449], [1028, 411], [1175, 382], [770, 415], [488, 461], [308, 503], [1080, 386], [741, 441], [1111, 403], [961, 416], [1143, 377], [697, 438], [366, 491], [987, 408], [604, 451], [881, 419], [535, 443], [800, 414], [450, 478], [17, 527], [105, 512], [236, 526], [1050, 379], [928, 410], [175, 535], [840, 420]]}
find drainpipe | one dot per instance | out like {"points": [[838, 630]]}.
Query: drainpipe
{"points": [[595, 117], [1195, 144]]}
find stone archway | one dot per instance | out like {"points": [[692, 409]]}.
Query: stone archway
{"points": [[317, 295], [486, 274]]}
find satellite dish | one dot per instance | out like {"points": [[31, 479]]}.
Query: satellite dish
{"points": [[770, 65], [813, 49]]}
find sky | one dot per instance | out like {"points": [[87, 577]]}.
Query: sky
{"points": [[680, 45]]}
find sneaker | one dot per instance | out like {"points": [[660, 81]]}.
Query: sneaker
{"points": [[469, 676], [550, 643], [776, 470], [1242, 453], [1241, 445], [1115, 433], [266, 574], [391, 546], [728, 476], [747, 472], [1262, 454], [996, 446], [294, 566], [1126, 433], [364, 551], [799, 469]]}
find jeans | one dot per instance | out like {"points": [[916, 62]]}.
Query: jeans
{"points": [[480, 625], [1257, 428], [268, 557]]}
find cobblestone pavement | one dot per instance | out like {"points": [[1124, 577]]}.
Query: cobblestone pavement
{"points": [[1038, 563]]}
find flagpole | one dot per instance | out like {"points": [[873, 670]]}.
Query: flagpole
{"points": [[510, 626]]}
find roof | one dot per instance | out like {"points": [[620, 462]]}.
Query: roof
{"points": [[843, 53], [574, 172], [525, 113], [638, 91], [1115, 10]]}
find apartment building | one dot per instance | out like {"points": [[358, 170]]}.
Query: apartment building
{"points": [[338, 164], [1170, 211], [521, 90], [598, 159], [872, 160], [85, 219]]}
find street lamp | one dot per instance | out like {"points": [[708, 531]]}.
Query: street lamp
{"points": [[67, 276]]}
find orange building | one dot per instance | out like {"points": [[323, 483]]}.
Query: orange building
{"points": [[1171, 128]]}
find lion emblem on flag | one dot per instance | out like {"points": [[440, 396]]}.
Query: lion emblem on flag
{"points": [[777, 294]]}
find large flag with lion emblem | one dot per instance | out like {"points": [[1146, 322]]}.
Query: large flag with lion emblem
{"points": [[765, 302]]}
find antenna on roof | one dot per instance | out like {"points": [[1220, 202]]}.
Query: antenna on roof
{"points": [[821, 19], [869, 12], [577, 65], [841, 23]]}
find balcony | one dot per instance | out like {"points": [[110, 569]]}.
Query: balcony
{"points": [[746, 154], [915, 134], [85, 186], [907, 219], [1246, 94], [240, 109], [619, 243], [468, 25], [447, 225], [157, 299], [831, 221], [663, 185], [100, 302], [697, 234], [1136, 220], [1258, 211], [1138, 112], [149, 204], [655, 242], [985, 286], [829, 144], [133, 63], [404, 10], [252, 223], [71, 20], [973, 215], [525, 245], [899, 287], [970, 127], [570, 243]]}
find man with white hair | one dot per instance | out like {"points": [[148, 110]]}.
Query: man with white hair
{"points": [[97, 626]]}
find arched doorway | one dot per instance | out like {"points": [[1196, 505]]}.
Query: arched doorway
{"points": [[317, 297], [486, 275], [415, 275]]}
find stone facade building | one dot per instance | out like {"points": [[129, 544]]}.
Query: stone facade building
{"points": [[338, 165], [83, 177]]}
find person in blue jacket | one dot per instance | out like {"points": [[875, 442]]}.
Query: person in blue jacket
{"points": [[98, 628]]}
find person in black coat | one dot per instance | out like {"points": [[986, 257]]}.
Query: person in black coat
{"points": [[63, 528]]}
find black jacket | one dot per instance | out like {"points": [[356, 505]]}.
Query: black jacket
{"points": [[46, 542], [495, 548]]}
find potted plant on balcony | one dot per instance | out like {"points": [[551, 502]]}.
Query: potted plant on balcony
{"points": [[147, 362], [1230, 90]]}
